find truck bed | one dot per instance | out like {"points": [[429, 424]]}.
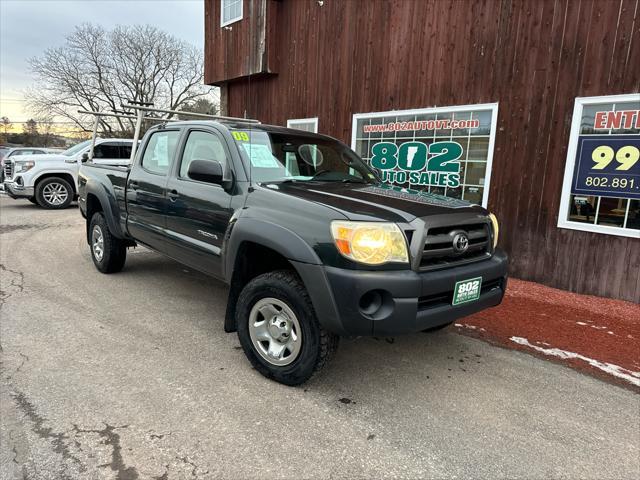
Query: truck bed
{"points": [[113, 181]]}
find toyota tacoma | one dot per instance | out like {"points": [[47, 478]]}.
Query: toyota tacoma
{"points": [[312, 245]]}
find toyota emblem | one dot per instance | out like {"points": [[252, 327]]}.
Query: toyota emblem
{"points": [[460, 242]]}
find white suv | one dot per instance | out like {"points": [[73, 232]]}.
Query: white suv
{"points": [[51, 180]]}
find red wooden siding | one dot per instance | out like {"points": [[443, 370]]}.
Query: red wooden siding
{"points": [[533, 57], [241, 48]]}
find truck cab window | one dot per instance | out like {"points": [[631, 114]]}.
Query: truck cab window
{"points": [[159, 151], [201, 146]]}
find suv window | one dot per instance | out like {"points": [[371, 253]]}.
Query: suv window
{"points": [[202, 146], [106, 150], [159, 151], [125, 151]]}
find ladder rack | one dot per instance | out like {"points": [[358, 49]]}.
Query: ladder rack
{"points": [[190, 114], [143, 112]]}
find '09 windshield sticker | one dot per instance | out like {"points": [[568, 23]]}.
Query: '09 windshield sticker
{"points": [[240, 136]]}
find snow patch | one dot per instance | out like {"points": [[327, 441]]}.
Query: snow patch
{"points": [[470, 327], [597, 327], [610, 368]]}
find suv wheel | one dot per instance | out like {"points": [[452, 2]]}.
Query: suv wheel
{"points": [[108, 252], [54, 193], [279, 331]]}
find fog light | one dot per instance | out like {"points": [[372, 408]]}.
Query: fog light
{"points": [[376, 304], [370, 302]]}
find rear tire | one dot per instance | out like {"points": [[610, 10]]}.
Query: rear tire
{"points": [[279, 331], [107, 252], [54, 193]]}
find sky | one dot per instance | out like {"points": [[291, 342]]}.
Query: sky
{"points": [[29, 27]]}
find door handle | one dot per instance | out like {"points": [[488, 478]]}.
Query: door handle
{"points": [[173, 195], [133, 185]]}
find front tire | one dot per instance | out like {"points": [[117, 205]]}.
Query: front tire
{"points": [[54, 193], [107, 252], [33, 200], [279, 331]]}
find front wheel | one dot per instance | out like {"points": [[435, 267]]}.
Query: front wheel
{"points": [[107, 252], [54, 193], [279, 331]]}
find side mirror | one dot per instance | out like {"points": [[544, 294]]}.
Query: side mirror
{"points": [[85, 157], [209, 171]]}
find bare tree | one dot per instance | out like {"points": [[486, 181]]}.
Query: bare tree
{"points": [[31, 133], [201, 105], [45, 130], [6, 126], [98, 69]]}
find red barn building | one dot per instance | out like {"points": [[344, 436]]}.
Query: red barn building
{"points": [[542, 97]]}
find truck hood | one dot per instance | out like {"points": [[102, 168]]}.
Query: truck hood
{"points": [[375, 201]]}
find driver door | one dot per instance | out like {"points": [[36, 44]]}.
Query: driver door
{"points": [[198, 213]]}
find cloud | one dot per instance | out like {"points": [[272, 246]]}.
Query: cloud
{"points": [[29, 27]]}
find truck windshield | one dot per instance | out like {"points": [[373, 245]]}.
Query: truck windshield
{"points": [[76, 148], [276, 157]]}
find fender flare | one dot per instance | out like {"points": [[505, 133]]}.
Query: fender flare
{"points": [[269, 235], [109, 205], [280, 239], [53, 172]]}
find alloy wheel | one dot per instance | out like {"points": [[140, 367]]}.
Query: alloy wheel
{"points": [[55, 193], [275, 331], [97, 243]]}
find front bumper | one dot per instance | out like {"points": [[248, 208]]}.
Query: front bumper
{"points": [[411, 301], [17, 190]]}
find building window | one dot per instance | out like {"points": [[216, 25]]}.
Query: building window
{"points": [[601, 187], [230, 11], [444, 150], [306, 124]]}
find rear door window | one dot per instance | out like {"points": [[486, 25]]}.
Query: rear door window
{"points": [[159, 152]]}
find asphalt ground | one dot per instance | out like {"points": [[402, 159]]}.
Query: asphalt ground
{"points": [[132, 376]]}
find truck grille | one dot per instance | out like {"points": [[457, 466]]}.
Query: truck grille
{"points": [[8, 169], [438, 248]]}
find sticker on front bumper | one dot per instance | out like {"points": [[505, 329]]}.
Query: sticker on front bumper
{"points": [[467, 291]]}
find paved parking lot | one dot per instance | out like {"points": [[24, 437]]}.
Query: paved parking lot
{"points": [[132, 376]]}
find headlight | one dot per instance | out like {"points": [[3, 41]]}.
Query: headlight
{"points": [[496, 229], [373, 243], [24, 166]]}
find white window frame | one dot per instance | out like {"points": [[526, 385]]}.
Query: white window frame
{"points": [[291, 123], [493, 107], [563, 222], [232, 20]]}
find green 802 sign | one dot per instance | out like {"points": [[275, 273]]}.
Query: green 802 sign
{"points": [[418, 163]]}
